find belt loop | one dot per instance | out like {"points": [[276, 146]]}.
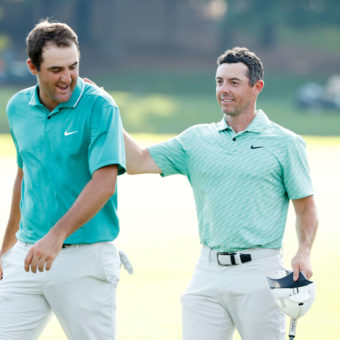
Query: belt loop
{"points": [[237, 258], [209, 254]]}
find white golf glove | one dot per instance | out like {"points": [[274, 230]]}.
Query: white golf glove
{"points": [[125, 262]]}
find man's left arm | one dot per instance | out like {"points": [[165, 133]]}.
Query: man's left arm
{"points": [[91, 199], [306, 227]]}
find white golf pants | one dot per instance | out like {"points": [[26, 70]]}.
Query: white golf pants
{"points": [[222, 298], [80, 289]]}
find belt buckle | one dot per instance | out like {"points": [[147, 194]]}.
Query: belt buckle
{"points": [[232, 258]]}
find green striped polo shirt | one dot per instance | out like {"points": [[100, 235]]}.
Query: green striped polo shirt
{"points": [[242, 182]]}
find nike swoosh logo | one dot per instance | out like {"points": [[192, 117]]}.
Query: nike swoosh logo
{"points": [[256, 147], [66, 133]]}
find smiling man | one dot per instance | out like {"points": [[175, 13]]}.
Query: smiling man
{"points": [[57, 253], [243, 170]]}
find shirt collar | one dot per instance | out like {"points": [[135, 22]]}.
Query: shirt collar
{"points": [[257, 125], [223, 125], [35, 101], [71, 103]]}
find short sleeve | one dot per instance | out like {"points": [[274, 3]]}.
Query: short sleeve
{"points": [[9, 115], [296, 173], [107, 142], [171, 156], [19, 159]]}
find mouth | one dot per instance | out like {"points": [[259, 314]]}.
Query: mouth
{"points": [[226, 100], [63, 88], [63, 92]]}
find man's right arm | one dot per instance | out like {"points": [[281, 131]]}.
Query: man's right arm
{"points": [[138, 160], [14, 217]]}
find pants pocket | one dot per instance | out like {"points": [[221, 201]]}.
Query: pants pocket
{"points": [[6, 259], [111, 263], [270, 266]]}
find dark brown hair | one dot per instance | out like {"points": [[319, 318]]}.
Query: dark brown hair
{"points": [[243, 55], [45, 31]]}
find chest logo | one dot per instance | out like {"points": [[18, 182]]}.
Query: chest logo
{"points": [[256, 147], [67, 133]]}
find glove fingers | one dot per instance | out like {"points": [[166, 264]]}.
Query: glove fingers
{"points": [[125, 262]]}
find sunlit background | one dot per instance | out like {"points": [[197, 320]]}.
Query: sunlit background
{"points": [[158, 59]]}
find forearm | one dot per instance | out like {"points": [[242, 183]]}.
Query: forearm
{"points": [[92, 198], [15, 215], [138, 160], [306, 226]]}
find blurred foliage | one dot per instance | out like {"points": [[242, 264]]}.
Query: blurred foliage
{"points": [[4, 42], [266, 18], [167, 98], [114, 30], [326, 38]]}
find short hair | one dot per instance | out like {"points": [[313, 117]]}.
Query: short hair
{"points": [[45, 31], [250, 59]]}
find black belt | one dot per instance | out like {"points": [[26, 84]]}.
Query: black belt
{"points": [[65, 245], [230, 259]]}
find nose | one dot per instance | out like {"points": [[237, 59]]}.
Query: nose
{"points": [[66, 76], [225, 87]]}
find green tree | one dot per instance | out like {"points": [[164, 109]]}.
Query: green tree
{"points": [[264, 19]]}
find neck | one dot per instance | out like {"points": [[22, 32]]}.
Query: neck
{"points": [[240, 122], [45, 103]]}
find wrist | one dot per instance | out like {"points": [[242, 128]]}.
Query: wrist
{"points": [[58, 233], [4, 250], [304, 250]]}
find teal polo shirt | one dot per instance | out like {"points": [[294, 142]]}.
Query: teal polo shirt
{"points": [[58, 152], [242, 183]]}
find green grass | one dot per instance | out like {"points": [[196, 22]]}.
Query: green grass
{"points": [[300, 121], [159, 233], [170, 101], [5, 95]]}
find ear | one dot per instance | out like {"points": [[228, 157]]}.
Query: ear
{"points": [[259, 86], [31, 67]]}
